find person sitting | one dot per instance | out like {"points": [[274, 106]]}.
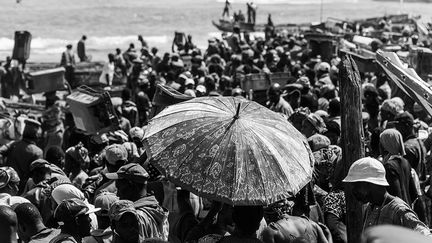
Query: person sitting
{"points": [[8, 225], [75, 221], [368, 179], [31, 228], [131, 182]]}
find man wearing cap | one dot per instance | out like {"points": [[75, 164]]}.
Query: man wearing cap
{"points": [[125, 222], [131, 182], [20, 154], [368, 179], [73, 216], [115, 156], [104, 201]]}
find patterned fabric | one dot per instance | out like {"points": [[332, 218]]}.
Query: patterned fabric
{"points": [[335, 204], [325, 163], [199, 146], [395, 212]]}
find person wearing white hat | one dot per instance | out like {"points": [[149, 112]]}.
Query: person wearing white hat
{"points": [[368, 179]]}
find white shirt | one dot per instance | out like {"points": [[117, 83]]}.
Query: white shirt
{"points": [[107, 69]]}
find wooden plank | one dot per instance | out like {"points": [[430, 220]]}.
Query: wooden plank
{"points": [[406, 79], [353, 147]]}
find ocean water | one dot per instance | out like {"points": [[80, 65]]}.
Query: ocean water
{"points": [[111, 24]]}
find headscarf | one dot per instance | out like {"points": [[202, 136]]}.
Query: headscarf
{"points": [[391, 141]]}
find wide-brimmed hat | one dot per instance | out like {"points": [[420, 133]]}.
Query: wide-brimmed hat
{"points": [[367, 170]]}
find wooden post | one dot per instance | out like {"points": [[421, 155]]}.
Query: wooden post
{"points": [[352, 139]]}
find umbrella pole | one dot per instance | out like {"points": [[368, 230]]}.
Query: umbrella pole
{"points": [[352, 139]]}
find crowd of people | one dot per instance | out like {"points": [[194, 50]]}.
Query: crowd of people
{"points": [[59, 184]]}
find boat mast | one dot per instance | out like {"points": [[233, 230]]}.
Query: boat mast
{"points": [[401, 6], [321, 11]]}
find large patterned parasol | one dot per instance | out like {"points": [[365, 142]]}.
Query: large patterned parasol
{"points": [[229, 149]]}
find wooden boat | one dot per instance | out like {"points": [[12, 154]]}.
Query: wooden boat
{"points": [[228, 26]]}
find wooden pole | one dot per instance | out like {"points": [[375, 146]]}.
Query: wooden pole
{"points": [[352, 139]]}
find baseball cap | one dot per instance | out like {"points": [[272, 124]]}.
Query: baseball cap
{"points": [[104, 201], [7, 175], [367, 170], [120, 207], [132, 171], [39, 163], [69, 209], [116, 152]]}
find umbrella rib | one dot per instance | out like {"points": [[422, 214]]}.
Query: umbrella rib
{"points": [[279, 166], [176, 124], [180, 111], [214, 158], [259, 168], [229, 108]]}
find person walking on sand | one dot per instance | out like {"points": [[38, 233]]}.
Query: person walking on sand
{"points": [[226, 9]]}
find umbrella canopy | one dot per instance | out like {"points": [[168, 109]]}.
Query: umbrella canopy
{"points": [[229, 149]]}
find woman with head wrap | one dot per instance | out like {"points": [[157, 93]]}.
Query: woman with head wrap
{"points": [[398, 170]]}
